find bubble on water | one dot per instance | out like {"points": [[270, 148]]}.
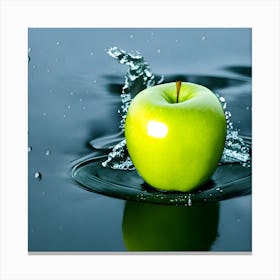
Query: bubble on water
{"points": [[189, 200], [158, 50], [29, 149], [131, 36], [47, 152], [38, 176]]}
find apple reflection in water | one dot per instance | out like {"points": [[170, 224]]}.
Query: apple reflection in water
{"points": [[154, 227]]}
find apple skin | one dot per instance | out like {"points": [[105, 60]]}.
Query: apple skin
{"points": [[155, 227], [175, 146]]}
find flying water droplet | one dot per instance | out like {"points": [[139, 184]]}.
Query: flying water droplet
{"points": [[131, 36], [203, 38], [158, 51], [29, 149], [38, 176], [44, 114], [57, 43], [69, 107], [47, 152], [81, 99], [91, 54], [29, 50]]}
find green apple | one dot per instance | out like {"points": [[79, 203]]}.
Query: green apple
{"points": [[175, 135], [154, 227]]}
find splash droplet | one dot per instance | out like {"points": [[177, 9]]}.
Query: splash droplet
{"points": [[131, 36], [47, 152], [158, 50], [57, 43], [91, 54], [44, 114], [203, 38], [38, 176], [29, 149], [69, 107]]}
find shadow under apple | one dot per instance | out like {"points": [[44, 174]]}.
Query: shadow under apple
{"points": [[153, 227]]}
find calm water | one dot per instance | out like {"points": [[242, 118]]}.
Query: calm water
{"points": [[74, 88]]}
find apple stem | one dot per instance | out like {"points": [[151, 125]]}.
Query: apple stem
{"points": [[178, 87]]}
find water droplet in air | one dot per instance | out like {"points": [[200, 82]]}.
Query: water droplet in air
{"points": [[48, 70], [222, 99], [203, 38], [38, 175], [94, 81], [91, 54], [81, 99], [29, 149], [29, 50], [158, 50], [131, 36], [47, 152], [71, 93], [57, 43], [69, 107], [43, 193], [33, 66], [44, 113], [247, 108], [64, 116]]}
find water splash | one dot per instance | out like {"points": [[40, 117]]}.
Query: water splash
{"points": [[139, 77]]}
